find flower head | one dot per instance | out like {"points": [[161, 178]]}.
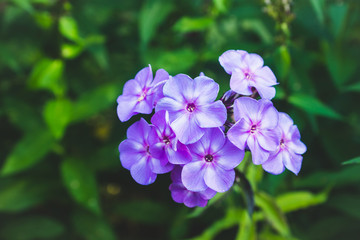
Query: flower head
{"points": [[255, 127], [141, 94], [191, 106], [165, 144], [289, 150], [248, 73], [135, 155], [213, 163], [181, 194]]}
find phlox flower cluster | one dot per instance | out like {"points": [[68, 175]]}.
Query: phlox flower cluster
{"points": [[201, 140]]}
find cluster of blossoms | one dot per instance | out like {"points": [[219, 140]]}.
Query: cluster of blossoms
{"points": [[200, 140]]}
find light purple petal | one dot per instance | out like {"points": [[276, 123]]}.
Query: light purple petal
{"points": [[275, 164], [219, 179], [268, 115], [205, 90], [126, 107], [213, 140], [139, 131], [239, 84], [259, 155], [169, 105], [145, 106], [293, 163], [192, 176], [285, 122], [178, 192], [176, 174], [231, 59], [238, 134], [157, 150], [181, 156], [269, 139], [160, 76], [144, 77], [254, 61], [295, 144], [265, 76], [193, 199], [229, 156], [158, 167], [211, 115], [132, 87], [158, 119], [130, 153], [246, 107], [141, 172], [265, 92], [179, 87], [186, 129], [208, 193]]}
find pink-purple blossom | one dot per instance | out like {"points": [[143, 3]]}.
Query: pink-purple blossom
{"points": [[289, 150], [213, 163], [248, 73], [135, 155], [191, 106], [255, 127], [141, 94]]}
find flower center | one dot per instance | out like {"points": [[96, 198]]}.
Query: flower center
{"points": [[190, 107], [253, 129], [142, 96], [248, 76], [148, 149], [282, 143], [166, 140], [209, 158]]}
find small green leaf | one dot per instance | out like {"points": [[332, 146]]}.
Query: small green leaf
{"points": [[68, 28], [186, 24], [352, 161], [314, 106], [70, 50], [92, 227], [272, 213], [47, 74], [31, 228], [57, 115], [292, 201], [247, 228], [28, 151], [80, 181]]}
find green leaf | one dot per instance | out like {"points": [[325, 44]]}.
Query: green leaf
{"points": [[47, 74], [94, 101], [57, 115], [70, 50], [28, 151], [314, 106], [152, 14], [186, 24], [352, 161], [338, 13], [257, 26], [247, 228], [80, 181], [292, 201], [23, 193], [68, 28], [272, 213], [31, 227], [352, 88], [92, 227], [319, 6], [283, 60], [347, 203]]}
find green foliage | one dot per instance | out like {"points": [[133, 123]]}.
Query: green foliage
{"points": [[64, 63]]}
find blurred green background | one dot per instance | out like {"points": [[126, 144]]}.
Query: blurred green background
{"points": [[63, 64]]}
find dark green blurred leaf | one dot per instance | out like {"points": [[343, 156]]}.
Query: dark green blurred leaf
{"points": [[92, 227], [31, 227], [352, 161], [100, 54], [338, 13], [257, 26], [347, 203], [292, 201], [353, 88], [152, 14], [68, 28], [47, 74], [80, 181], [319, 6], [313, 106], [187, 24], [283, 62], [92, 102], [57, 115], [246, 188], [23, 193], [144, 212], [24, 4], [272, 213], [28, 151]]}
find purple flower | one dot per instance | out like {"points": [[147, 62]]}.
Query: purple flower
{"points": [[165, 144], [191, 106], [135, 155], [182, 195], [255, 127], [214, 160], [141, 94], [288, 152], [247, 72]]}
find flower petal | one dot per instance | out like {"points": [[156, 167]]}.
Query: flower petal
{"points": [[211, 115], [132, 87], [247, 108], [186, 129], [157, 166], [268, 115], [231, 59], [229, 156], [239, 84], [219, 179], [208, 193], [181, 156], [178, 192], [205, 90], [265, 76], [259, 155], [192, 176], [160, 76], [269, 139], [254, 61], [275, 163], [139, 131], [238, 134], [193, 199], [141, 172], [179, 87], [130, 153], [126, 107], [265, 92], [293, 163], [144, 77], [145, 106]]}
